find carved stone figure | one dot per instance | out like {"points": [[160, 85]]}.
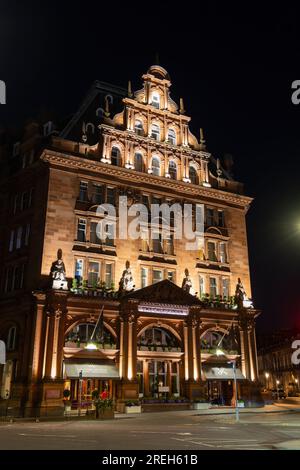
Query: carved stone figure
{"points": [[58, 273], [126, 281], [241, 297], [186, 283]]}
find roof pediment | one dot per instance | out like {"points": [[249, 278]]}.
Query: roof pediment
{"points": [[164, 292]]}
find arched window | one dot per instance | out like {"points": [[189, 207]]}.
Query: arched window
{"points": [[155, 132], [138, 127], [193, 175], [138, 162], [213, 340], [115, 156], [158, 337], [155, 101], [173, 170], [155, 166], [171, 137], [82, 334], [11, 338]]}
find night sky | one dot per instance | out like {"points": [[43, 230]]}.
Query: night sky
{"points": [[235, 75]]}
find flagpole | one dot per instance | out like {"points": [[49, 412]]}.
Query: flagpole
{"points": [[98, 321]]}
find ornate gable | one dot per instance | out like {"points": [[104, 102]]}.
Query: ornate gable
{"points": [[164, 292]]}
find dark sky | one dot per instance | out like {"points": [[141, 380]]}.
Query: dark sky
{"points": [[234, 73]]}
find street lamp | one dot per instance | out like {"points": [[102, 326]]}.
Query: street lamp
{"points": [[277, 383], [267, 375]]}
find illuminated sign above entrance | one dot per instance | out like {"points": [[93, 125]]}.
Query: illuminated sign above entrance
{"points": [[163, 309]]}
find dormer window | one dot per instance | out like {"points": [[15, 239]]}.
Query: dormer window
{"points": [[155, 101], [138, 127], [115, 156], [171, 137], [155, 132]]}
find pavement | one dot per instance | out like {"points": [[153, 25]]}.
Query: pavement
{"points": [[272, 427]]}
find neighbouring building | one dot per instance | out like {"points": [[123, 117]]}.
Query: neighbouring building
{"points": [[277, 357], [178, 321]]}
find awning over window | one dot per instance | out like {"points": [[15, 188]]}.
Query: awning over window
{"points": [[92, 371], [222, 372]]}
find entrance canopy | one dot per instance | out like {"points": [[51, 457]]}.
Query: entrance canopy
{"points": [[92, 371], [221, 372], [90, 365]]}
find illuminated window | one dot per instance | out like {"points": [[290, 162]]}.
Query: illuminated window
{"points": [[201, 286], [79, 270], [115, 156], [213, 287], [212, 256], [171, 137], [144, 277], [223, 253], [155, 132], [155, 100], [157, 275], [138, 127], [81, 230], [171, 276], [138, 162], [155, 166], [93, 273], [173, 170], [170, 244], [108, 274], [225, 287], [193, 175]]}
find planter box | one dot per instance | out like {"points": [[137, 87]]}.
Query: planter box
{"points": [[200, 406], [105, 414], [133, 409]]}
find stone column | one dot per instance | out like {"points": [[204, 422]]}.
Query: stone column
{"points": [[128, 388], [192, 348], [248, 347]]}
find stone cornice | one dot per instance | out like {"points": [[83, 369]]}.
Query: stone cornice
{"points": [[68, 161]]}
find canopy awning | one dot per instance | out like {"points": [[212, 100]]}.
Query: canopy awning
{"points": [[92, 371], [222, 372]]}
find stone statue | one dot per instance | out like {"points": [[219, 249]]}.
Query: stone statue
{"points": [[241, 296], [186, 283], [58, 273], [126, 281]]}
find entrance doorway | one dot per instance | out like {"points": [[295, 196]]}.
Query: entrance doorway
{"points": [[220, 392], [87, 388]]}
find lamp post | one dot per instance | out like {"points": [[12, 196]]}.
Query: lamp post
{"points": [[80, 391], [297, 386], [237, 415], [277, 389], [267, 375]]}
